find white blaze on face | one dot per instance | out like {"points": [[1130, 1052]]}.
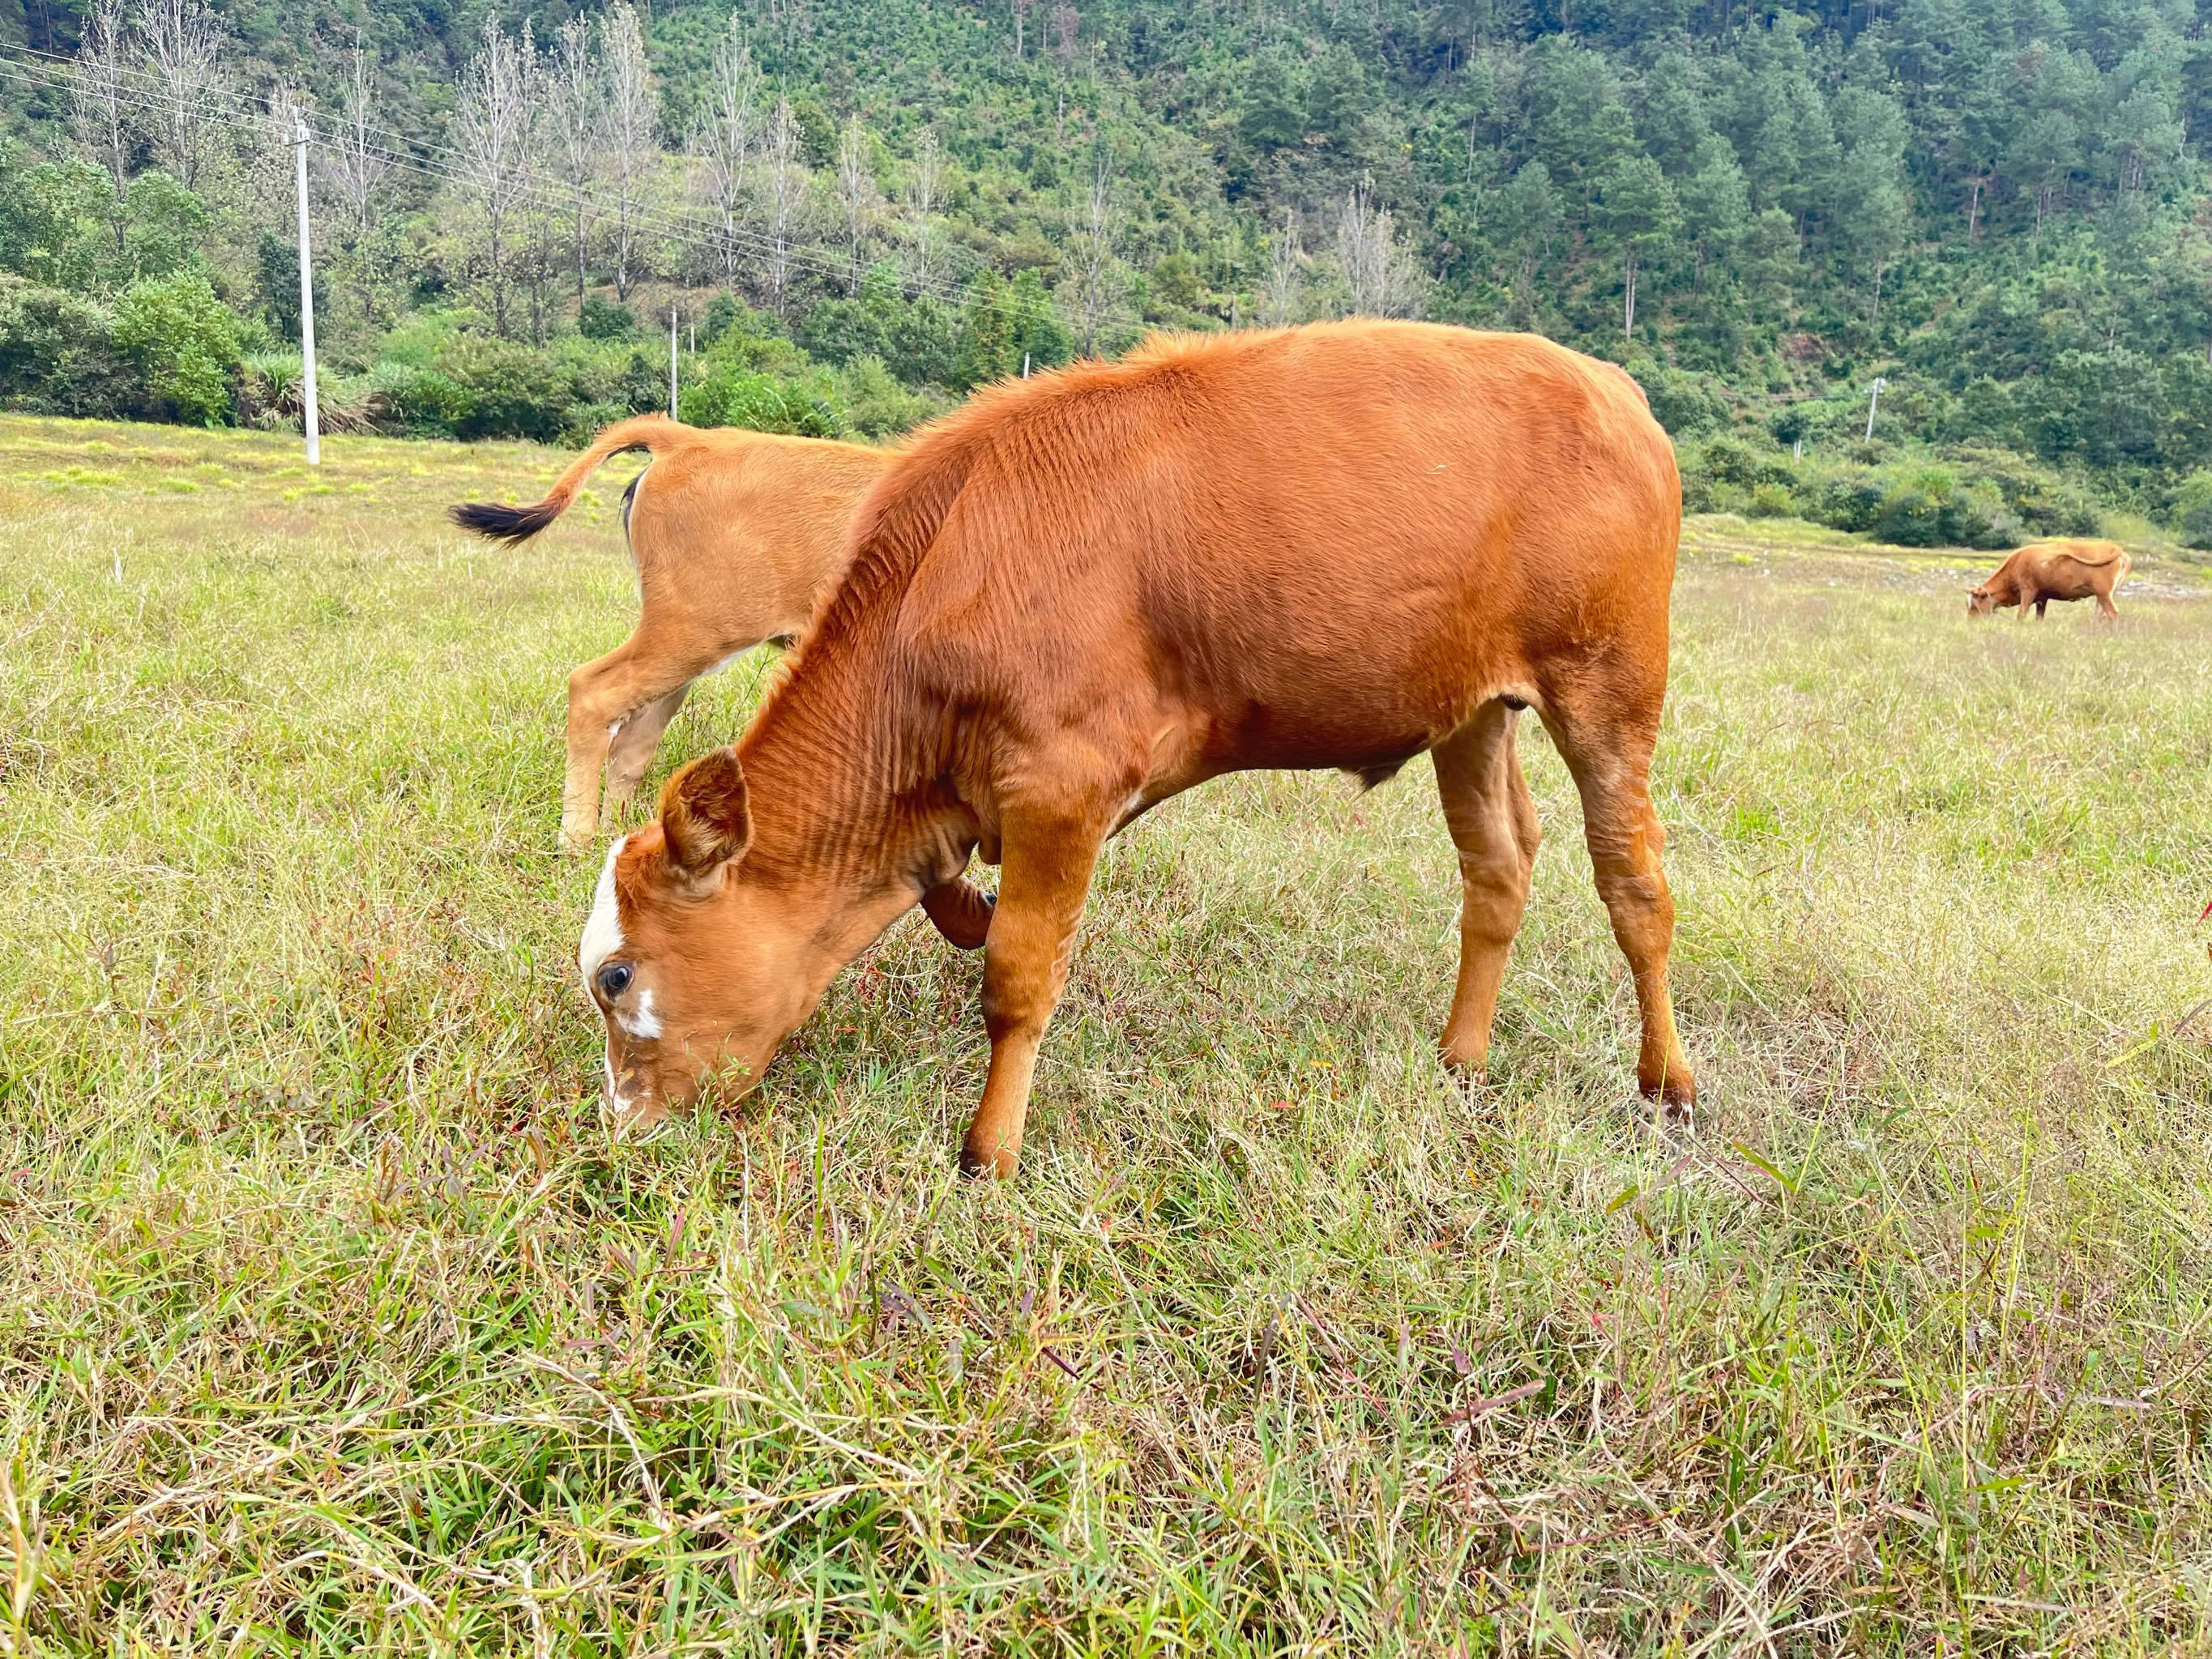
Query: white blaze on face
{"points": [[644, 1023], [603, 933]]}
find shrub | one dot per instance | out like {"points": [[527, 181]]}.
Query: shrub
{"points": [[511, 390], [1006, 325], [732, 396], [601, 318], [61, 224], [1771, 501], [1851, 501], [1686, 404], [1910, 515], [57, 355], [1932, 509], [55, 219], [2192, 510], [184, 341], [271, 394], [879, 406], [421, 402]]}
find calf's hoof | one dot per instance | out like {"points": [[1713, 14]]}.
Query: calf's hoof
{"points": [[998, 1165], [1674, 1100]]}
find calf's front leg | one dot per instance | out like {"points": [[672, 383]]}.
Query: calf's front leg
{"points": [[1046, 861]]}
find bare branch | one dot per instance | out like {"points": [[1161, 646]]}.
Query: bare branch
{"points": [[632, 144], [783, 180], [725, 140], [353, 163], [575, 113], [1285, 277], [1090, 251], [856, 193], [181, 44], [97, 91], [922, 181], [493, 128]]}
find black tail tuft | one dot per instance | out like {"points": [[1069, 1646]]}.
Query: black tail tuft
{"points": [[506, 524]]}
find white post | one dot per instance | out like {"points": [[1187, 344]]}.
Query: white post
{"points": [[1025, 365], [1874, 397], [671, 362], [311, 420]]}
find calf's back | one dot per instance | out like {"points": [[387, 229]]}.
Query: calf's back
{"points": [[1324, 547]]}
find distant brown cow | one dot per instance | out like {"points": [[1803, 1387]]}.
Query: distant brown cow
{"points": [[2043, 571], [736, 536], [1335, 546]]}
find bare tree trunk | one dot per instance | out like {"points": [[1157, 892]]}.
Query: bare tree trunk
{"points": [[1092, 247], [576, 116], [1384, 279], [727, 140], [784, 176], [493, 126], [180, 42], [1282, 260], [353, 163], [97, 93], [631, 147], [921, 201], [856, 192], [1628, 293]]}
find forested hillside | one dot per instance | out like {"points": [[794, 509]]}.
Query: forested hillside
{"points": [[858, 209]]}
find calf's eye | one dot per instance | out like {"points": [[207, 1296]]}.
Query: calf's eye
{"points": [[614, 979]]}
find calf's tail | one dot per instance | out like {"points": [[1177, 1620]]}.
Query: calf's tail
{"points": [[513, 525]]}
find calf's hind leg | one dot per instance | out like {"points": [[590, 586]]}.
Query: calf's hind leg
{"points": [[1607, 742], [635, 740], [626, 684], [1493, 820]]}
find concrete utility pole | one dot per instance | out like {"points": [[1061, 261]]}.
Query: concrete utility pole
{"points": [[671, 362], [310, 416], [1874, 397]]}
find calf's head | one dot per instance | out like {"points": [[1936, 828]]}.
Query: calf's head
{"points": [[1980, 601], [699, 964]]}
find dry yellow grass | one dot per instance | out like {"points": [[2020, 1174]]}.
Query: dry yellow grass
{"points": [[331, 1321]]}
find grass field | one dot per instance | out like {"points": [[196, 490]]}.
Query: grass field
{"points": [[331, 1319]]}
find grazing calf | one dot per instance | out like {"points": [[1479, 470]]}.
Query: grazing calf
{"points": [[1335, 546], [735, 535], [2043, 571]]}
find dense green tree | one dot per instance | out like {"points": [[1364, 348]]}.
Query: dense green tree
{"points": [[1636, 212]]}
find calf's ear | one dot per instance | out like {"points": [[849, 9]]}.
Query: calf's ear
{"points": [[703, 816]]}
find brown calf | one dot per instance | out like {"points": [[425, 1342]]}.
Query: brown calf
{"points": [[2043, 571], [1333, 546], [736, 536]]}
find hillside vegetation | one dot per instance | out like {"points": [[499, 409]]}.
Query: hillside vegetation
{"points": [[858, 209]]}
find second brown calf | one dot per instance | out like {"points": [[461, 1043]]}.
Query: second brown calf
{"points": [[735, 536]]}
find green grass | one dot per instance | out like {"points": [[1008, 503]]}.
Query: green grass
{"points": [[331, 1319]]}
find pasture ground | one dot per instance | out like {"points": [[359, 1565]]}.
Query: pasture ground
{"points": [[331, 1322]]}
